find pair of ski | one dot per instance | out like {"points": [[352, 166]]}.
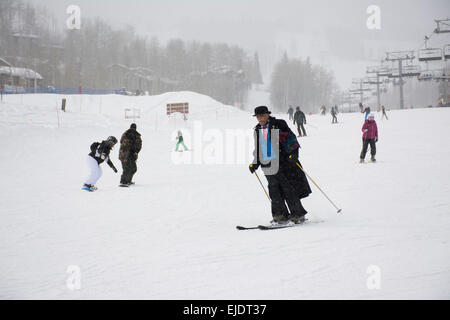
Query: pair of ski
{"points": [[272, 226]]}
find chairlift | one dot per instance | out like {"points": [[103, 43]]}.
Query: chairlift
{"points": [[411, 71], [430, 54], [443, 26], [426, 75], [442, 76], [393, 73], [396, 82], [383, 71], [447, 52]]}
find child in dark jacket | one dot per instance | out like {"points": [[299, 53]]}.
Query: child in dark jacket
{"points": [[370, 136]]}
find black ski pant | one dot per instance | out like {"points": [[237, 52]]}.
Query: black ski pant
{"points": [[334, 119], [291, 117], [384, 115], [129, 169], [281, 193], [300, 126], [373, 149]]}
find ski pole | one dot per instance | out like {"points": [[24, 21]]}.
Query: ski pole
{"points": [[338, 210], [262, 186]]}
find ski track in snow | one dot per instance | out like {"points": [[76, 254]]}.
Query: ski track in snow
{"points": [[173, 235]]}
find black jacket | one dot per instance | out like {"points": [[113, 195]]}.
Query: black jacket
{"points": [[299, 117], [100, 152], [288, 146]]}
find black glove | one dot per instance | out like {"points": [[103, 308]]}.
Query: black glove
{"points": [[376, 139], [253, 167], [115, 170]]}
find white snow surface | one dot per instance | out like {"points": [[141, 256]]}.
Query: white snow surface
{"points": [[173, 235]]}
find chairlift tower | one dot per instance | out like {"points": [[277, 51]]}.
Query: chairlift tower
{"points": [[400, 56], [443, 26], [380, 71], [360, 91]]}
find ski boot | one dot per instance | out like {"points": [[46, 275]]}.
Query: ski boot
{"points": [[361, 160], [297, 219], [279, 221], [88, 187], [373, 159]]}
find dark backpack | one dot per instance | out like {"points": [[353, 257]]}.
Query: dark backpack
{"points": [[94, 146]]}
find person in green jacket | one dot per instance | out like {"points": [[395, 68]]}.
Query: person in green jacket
{"points": [[180, 141]]}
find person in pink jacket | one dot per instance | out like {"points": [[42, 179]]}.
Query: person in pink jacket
{"points": [[370, 136]]}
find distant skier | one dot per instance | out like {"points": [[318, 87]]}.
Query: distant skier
{"points": [[367, 111], [384, 113], [300, 119], [370, 137], [99, 153], [276, 151], [361, 107], [324, 110], [130, 146], [291, 113], [333, 114], [180, 140]]}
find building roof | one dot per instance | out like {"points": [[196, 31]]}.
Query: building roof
{"points": [[20, 72], [24, 35]]}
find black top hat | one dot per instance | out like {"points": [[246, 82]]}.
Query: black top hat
{"points": [[261, 110]]}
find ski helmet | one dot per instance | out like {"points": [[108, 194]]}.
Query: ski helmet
{"points": [[111, 140]]}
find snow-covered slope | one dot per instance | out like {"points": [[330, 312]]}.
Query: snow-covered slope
{"points": [[173, 236]]}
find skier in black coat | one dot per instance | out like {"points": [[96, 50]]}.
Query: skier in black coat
{"points": [[276, 151], [333, 114], [300, 119]]}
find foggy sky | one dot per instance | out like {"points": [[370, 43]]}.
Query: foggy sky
{"points": [[333, 33]]}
